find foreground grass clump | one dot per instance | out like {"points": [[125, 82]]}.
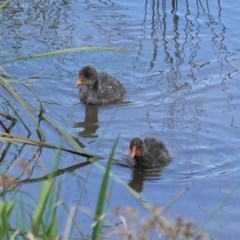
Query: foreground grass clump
{"points": [[43, 221], [122, 223], [5, 212], [154, 226]]}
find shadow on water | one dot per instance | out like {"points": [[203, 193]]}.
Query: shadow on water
{"points": [[7, 182], [140, 176], [56, 173], [90, 124]]}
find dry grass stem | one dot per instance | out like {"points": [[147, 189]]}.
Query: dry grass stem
{"points": [[7, 182]]}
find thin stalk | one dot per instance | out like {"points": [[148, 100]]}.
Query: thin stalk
{"points": [[23, 103], [68, 50], [102, 195], [5, 137], [2, 6]]}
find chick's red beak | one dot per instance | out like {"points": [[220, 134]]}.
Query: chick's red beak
{"points": [[133, 152], [79, 82]]}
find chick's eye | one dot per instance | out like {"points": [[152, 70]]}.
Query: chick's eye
{"points": [[87, 74]]}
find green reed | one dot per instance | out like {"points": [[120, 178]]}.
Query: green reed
{"points": [[64, 51], [4, 4], [102, 195], [5, 212]]}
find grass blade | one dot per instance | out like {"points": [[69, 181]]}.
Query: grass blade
{"points": [[102, 194], [68, 50], [6, 137], [4, 4], [37, 217], [28, 108], [5, 211]]}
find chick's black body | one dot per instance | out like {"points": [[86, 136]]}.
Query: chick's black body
{"points": [[149, 153], [98, 88]]}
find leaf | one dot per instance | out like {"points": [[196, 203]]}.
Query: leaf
{"points": [[6, 137], [102, 194], [62, 51], [43, 198]]}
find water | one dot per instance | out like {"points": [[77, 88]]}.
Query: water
{"points": [[181, 72]]}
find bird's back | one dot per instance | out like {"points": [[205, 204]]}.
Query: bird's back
{"points": [[157, 153], [105, 90], [109, 87]]}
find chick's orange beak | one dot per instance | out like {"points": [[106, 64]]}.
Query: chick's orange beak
{"points": [[133, 152], [79, 82]]}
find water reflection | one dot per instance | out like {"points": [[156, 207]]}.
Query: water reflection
{"points": [[8, 183], [181, 40], [90, 124], [139, 176], [56, 173]]}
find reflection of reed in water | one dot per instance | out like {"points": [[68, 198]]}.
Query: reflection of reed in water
{"points": [[176, 38], [90, 123], [184, 37]]}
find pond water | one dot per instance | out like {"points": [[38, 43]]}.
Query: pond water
{"points": [[181, 69]]}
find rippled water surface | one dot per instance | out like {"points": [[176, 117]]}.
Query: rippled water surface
{"points": [[180, 67]]}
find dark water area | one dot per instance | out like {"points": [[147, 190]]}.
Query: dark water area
{"points": [[180, 67]]}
